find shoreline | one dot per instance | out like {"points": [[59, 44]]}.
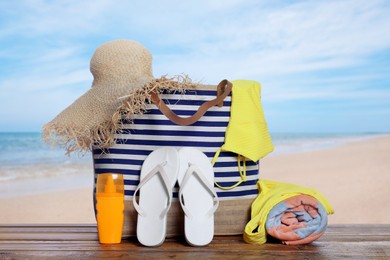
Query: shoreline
{"points": [[353, 177], [67, 176], [317, 142]]}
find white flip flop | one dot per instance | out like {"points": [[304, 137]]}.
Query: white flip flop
{"points": [[197, 196], [158, 177]]}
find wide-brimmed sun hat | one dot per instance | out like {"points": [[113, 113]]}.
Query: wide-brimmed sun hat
{"points": [[122, 72]]}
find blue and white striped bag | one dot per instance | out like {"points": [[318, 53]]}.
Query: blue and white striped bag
{"points": [[153, 129]]}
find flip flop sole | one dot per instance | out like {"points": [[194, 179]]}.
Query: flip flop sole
{"points": [[199, 226], [153, 196]]}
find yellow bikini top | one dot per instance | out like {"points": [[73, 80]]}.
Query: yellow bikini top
{"points": [[247, 133]]}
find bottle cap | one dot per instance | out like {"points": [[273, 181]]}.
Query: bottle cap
{"points": [[109, 184]]}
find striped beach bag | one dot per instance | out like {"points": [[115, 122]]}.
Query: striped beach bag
{"points": [[153, 129]]}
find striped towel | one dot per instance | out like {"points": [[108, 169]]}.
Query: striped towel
{"points": [[291, 213], [297, 220]]}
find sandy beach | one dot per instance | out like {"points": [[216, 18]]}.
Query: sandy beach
{"points": [[354, 177], [54, 199]]}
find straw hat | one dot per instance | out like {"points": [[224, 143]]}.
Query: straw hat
{"points": [[121, 68]]}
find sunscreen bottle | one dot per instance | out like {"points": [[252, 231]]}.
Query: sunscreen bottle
{"points": [[110, 206]]}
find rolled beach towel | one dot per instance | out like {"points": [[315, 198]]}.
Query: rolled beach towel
{"points": [[297, 220], [291, 213]]}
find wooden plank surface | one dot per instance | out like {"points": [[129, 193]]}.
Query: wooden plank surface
{"points": [[80, 242]]}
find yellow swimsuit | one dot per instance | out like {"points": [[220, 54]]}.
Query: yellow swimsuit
{"points": [[247, 133]]}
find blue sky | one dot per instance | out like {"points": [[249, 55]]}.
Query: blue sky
{"points": [[324, 65]]}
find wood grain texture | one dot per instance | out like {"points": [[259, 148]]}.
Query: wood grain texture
{"points": [[80, 242]]}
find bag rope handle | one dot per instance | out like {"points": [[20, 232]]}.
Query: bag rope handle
{"points": [[224, 89]]}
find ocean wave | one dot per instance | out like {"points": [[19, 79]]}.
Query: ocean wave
{"points": [[43, 170]]}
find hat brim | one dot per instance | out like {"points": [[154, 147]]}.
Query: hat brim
{"points": [[89, 119], [95, 117]]}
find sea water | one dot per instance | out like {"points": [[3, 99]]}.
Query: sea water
{"points": [[21, 154]]}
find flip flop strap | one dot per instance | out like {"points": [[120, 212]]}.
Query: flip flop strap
{"points": [[159, 169], [194, 170]]}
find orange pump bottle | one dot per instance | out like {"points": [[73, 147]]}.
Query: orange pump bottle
{"points": [[110, 206]]}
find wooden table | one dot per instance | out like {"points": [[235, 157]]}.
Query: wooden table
{"points": [[80, 242]]}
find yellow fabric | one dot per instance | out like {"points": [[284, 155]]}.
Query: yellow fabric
{"points": [[270, 194], [241, 170], [247, 133]]}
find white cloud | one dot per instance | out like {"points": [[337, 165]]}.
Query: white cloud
{"points": [[47, 44], [32, 18], [300, 37], [275, 45]]}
